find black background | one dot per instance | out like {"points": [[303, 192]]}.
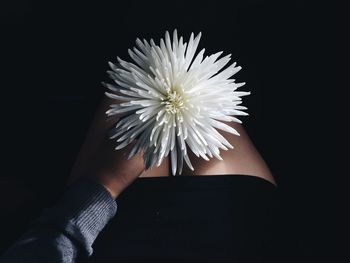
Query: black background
{"points": [[54, 56]]}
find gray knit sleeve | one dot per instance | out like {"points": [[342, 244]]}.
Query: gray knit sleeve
{"points": [[68, 229]]}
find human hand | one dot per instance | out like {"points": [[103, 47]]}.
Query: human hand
{"points": [[113, 170], [100, 161]]}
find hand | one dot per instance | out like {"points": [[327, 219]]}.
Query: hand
{"points": [[111, 168], [100, 161]]}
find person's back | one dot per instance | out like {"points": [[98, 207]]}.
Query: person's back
{"points": [[223, 210]]}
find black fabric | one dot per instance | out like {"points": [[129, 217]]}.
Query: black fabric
{"points": [[226, 218]]}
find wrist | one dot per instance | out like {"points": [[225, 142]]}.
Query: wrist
{"points": [[114, 187], [111, 191]]}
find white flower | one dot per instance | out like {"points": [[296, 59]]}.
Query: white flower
{"points": [[174, 99]]}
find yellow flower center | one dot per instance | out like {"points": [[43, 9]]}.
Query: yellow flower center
{"points": [[174, 102]]}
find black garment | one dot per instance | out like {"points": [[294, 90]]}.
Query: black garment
{"points": [[226, 218]]}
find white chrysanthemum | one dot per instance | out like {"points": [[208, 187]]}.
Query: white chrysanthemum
{"points": [[174, 99]]}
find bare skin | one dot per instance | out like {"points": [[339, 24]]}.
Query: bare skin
{"points": [[243, 159], [98, 159]]}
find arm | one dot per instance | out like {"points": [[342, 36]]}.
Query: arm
{"points": [[66, 231]]}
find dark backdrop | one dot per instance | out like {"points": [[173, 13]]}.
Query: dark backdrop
{"points": [[55, 56]]}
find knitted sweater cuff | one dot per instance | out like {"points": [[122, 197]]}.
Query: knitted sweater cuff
{"points": [[83, 211]]}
